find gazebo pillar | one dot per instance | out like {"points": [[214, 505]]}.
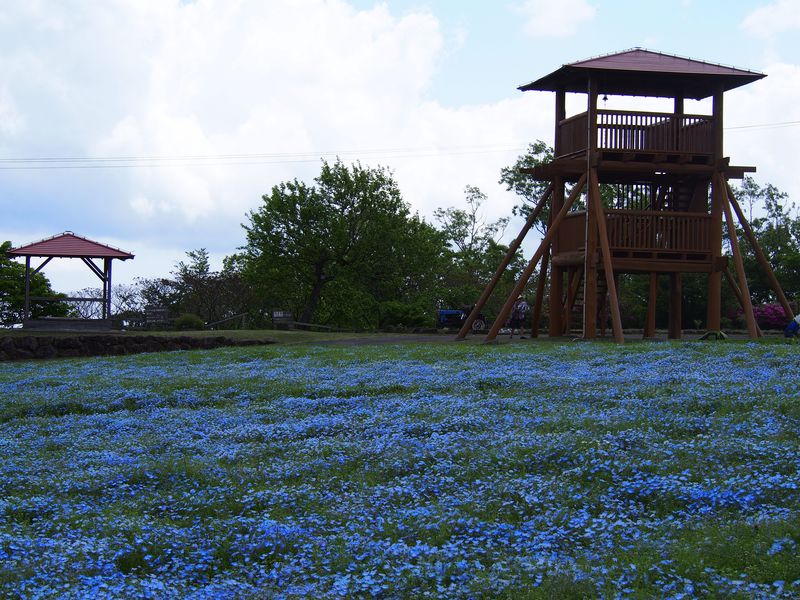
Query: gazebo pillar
{"points": [[27, 312]]}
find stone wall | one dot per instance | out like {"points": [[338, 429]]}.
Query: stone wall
{"points": [[30, 347]]}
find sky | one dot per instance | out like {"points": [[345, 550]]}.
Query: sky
{"points": [[157, 125]]}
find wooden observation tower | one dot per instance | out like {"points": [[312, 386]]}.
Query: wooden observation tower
{"points": [[665, 194]]}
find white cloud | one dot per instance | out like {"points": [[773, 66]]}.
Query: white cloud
{"points": [[545, 18], [274, 81], [774, 18], [277, 81], [770, 103], [277, 78], [10, 120]]}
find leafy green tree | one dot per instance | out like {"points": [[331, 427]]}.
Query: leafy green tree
{"points": [[475, 253], [12, 292], [194, 289], [334, 251], [776, 225], [524, 185]]}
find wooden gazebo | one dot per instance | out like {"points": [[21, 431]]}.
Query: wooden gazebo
{"points": [[666, 193], [69, 245]]}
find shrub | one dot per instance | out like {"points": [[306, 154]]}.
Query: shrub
{"points": [[396, 316], [189, 321], [770, 316]]}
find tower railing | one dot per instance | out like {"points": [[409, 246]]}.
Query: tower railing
{"points": [[642, 231], [636, 131], [658, 231]]}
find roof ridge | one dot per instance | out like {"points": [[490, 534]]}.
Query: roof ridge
{"points": [[660, 53], [71, 234]]}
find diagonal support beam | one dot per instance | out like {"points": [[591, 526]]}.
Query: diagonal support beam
{"points": [[41, 266], [738, 293], [540, 285], [594, 198], [512, 250], [747, 304], [543, 246], [95, 269], [760, 257]]}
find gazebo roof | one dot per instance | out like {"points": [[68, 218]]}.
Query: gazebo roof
{"points": [[69, 245], [641, 72]]}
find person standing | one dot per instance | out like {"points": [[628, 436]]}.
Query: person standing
{"points": [[519, 314]]}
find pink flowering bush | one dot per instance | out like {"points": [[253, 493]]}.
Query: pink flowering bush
{"points": [[770, 316]]}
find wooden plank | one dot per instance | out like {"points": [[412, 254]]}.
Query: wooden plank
{"points": [[65, 299], [646, 265], [646, 167]]}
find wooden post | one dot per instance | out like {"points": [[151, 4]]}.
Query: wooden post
{"points": [[677, 120], [762, 260], [555, 327], [714, 295], [104, 279], [26, 314], [747, 305], [512, 250], [650, 322], [590, 245], [561, 114], [611, 283], [590, 275], [675, 306], [540, 285], [714, 306], [716, 112], [526, 274]]}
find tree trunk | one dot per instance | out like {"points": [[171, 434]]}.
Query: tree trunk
{"points": [[320, 279]]}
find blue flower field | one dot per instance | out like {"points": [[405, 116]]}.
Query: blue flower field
{"points": [[535, 470]]}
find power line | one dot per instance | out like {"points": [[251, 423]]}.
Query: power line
{"points": [[115, 162], [766, 125], [271, 158]]}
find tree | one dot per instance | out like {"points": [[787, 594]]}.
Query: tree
{"points": [[777, 230], [333, 251], [475, 253], [194, 289], [531, 190], [12, 292], [524, 185], [85, 309]]}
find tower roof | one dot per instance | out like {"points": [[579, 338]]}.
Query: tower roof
{"points": [[69, 245], [640, 72]]}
